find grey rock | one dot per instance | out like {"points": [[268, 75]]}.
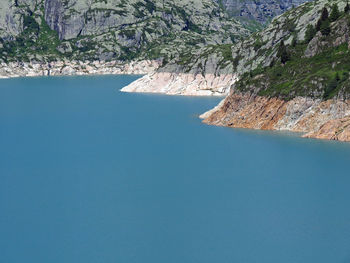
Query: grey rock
{"points": [[261, 11]]}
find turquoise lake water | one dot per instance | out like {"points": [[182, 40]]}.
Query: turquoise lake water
{"points": [[89, 174]]}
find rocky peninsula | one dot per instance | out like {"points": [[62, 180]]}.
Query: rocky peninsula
{"points": [[186, 84]]}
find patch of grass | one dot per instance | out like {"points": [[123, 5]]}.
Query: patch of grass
{"points": [[321, 76]]}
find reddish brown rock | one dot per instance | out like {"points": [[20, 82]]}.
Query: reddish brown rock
{"points": [[338, 129], [244, 111], [319, 119]]}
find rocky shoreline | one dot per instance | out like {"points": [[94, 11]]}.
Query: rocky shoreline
{"points": [[186, 84], [66, 68], [313, 117]]}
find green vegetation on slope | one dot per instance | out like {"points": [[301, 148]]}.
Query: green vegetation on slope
{"points": [[318, 67], [35, 38]]}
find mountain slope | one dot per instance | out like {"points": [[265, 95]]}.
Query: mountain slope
{"points": [[120, 29], [111, 29], [302, 84], [258, 50], [214, 68]]}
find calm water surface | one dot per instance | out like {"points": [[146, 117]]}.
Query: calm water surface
{"points": [[90, 174]]}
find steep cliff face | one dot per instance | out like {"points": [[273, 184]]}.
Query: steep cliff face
{"points": [[65, 17], [11, 13]]}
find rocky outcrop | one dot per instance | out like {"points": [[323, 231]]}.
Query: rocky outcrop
{"points": [[183, 84], [318, 119], [339, 34], [24, 69]]}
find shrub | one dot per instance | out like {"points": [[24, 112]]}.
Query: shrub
{"points": [[30, 24], [283, 53], [310, 33], [331, 86], [324, 17], [325, 28], [258, 44], [290, 26], [335, 14]]}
